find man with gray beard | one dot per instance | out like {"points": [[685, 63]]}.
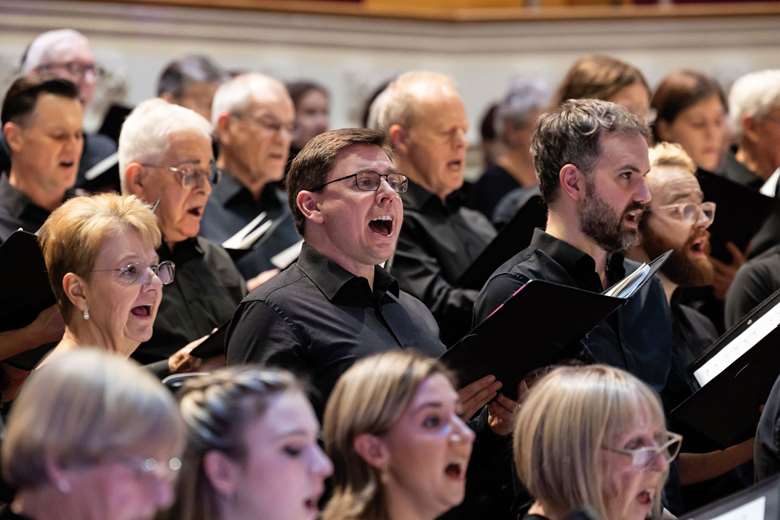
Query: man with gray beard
{"points": [[591, 158]]}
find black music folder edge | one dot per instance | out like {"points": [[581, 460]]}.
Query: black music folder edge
{"points": [[759, 502], [549, 318], [734, 376], [214, 345]]}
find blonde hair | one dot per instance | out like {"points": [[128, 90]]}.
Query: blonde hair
{"points": [[558, 462], [84, 407], [73, 234], [217, 409], [671, 154], [370, 397]]}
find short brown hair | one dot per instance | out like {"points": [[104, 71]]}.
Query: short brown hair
{"points": [[22, 96], [598, 77], [571, 134], [681, 90], [310, 168], [72, 235]]}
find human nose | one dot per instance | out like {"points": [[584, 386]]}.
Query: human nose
{"points": [[459, 138], [461, 433], [321, 464], [642, 192], [385, 193]]}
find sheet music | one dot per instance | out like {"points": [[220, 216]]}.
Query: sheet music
{"points": [[287, 256], [738, 346], [236, 240], [753, 510]]}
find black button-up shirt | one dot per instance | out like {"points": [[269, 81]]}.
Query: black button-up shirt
{"points": [[18, 211], [755, 281], [231, 207], [316, 319], [203, 295], [437, 243], [637, 337]]}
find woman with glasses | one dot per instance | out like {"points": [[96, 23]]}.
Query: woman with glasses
{"points": [[593, 438], [252, 448], [399, 448], [104, 271], [92, 436]]}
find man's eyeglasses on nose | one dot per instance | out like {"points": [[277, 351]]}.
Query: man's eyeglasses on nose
{"points": [[266, 123], [668, 447], [190, 175], [74, 68], [691, 212], [369, 180], [134, 272]]}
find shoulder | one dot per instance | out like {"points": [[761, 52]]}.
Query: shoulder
{"points": [[283, 289]]}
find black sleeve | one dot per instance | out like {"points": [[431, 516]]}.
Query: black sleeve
{"points": [[752, 285]]}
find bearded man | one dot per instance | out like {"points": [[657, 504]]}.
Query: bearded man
{"points": [[591, 158]]}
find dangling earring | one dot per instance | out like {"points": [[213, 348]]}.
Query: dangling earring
{"points": [[85, 314]]}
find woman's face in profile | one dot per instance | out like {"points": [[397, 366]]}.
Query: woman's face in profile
{"points": [[283, 474], [121, 308], [631, 491], [429, 450]]}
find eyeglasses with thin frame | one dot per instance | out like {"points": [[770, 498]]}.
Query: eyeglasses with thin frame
{"points": [[266, 123], [668, 447], [190, 175], [166, 470], [74, 68], [134, 272], [370, 180], [692, 212]]}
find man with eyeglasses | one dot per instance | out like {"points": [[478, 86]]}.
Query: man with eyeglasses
{"points": [[166, 159], [253, 119], [423, 117], [66, 54], [677, 218]]}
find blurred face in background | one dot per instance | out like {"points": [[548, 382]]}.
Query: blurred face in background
{"points": [[312, 116]]}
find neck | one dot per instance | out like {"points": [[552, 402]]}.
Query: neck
{"points": [[520, 166], [248, 179], [411, 172], [400, 508], [546, 511], [568, 230], [38, 194], [668, 285], [753, 161], [83, 333], [45, 502], [324, 246]]}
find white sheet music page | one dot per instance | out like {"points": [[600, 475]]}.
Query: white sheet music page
{"points": [[738, 346], [753, 510]]}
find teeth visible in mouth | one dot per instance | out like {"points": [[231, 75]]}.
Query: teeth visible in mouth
{"points": [[382, 225]]}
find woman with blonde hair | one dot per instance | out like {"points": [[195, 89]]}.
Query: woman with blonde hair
{"points": [[252, 448], [92, 436], [399, 449], [593, 438]]}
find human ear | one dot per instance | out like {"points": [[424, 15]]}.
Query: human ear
{"points": [[571, 181], [749, 129], [223, 128], [75, 290], [13, 136], [223, 473], [134, 180], [309, 206], [372, 449], [399, 138]]}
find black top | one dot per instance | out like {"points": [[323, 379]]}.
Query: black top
{"points": [[766, 447], [231, 207], [755, 281], [438, 242], [734, 170], [490, 188], [18, 211], [637, 337], [203, 295], [316, 319]]}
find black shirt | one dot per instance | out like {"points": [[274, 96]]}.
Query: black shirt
{"points": [[203, 295], [18, 211], [755, 281], [766, 447], [316, 319], [637, 337], [734, 170], [490, 188], [231, 207], [438, 242]]}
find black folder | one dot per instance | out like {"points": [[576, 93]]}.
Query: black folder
{"points": [[741, 211], [734, 376], [212, 346], [24, 290], [759, 502], [513, 238]]}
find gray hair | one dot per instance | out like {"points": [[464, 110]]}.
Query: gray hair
{"points": [[753, 95], [396, 104], [147, 131], [524, 96], [571, 134], [43, 48], [237, 94]]}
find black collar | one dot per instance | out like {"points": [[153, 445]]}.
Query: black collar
{"points": [[335, 282], [420, 199], [230, 191], [19, 206], [182, 251]]}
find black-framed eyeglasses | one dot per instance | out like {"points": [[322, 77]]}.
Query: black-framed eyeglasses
{"points": [[668, 446], [370, 180], [135, 273], [190, 175]]}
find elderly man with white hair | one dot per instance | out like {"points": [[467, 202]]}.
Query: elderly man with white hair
{"points": [[166, 160], [253, 119], [66, 54]]}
